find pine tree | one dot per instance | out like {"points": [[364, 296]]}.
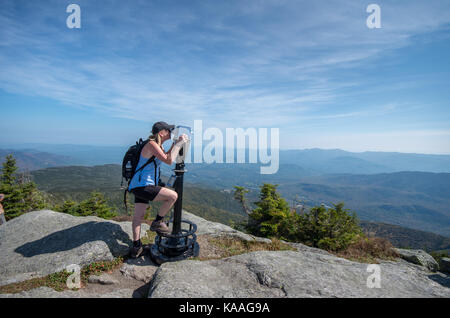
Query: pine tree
{"points": [[94, 205], [239, 195], [271, 212], [9, 177], [21, 195], [14, 202], [331, 229]]}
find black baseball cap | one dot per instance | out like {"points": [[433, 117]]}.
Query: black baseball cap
{"points": [[161, 125]]}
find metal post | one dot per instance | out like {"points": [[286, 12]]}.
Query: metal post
{"points": [[179, 172]]}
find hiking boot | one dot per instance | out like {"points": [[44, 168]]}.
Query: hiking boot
{"points": [[160, 227], [136, 251]]}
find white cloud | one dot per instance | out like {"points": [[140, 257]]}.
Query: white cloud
{"points": [[233, 63]]}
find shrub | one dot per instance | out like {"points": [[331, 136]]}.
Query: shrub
{"points": [[94, 205], [331, 229], [369, 249]]}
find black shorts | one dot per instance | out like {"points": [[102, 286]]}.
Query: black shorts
{"points": [[145, 194]]}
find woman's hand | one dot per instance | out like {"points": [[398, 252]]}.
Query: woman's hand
{"points": [[183, 137]]}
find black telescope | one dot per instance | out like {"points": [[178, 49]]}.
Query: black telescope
{"points": [[181, 243]]}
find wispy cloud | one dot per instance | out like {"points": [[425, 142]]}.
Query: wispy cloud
{"points": [[226, 62]]}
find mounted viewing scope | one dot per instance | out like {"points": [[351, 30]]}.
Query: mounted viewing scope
{"points": [[181, 243]]}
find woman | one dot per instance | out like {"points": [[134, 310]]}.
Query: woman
{"points": [[144, 184]]}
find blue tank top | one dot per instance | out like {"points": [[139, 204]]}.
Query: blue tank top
{"points": [[147, 176]]}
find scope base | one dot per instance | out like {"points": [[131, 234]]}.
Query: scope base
{"points": [[175, 247]]}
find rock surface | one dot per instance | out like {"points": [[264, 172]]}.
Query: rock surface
{"points": [[419, 257], [293, 274], [43, 242], [141, 269], [104, 279], [218, 229]]}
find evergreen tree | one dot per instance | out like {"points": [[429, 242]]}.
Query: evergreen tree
{"points": [[94, 205], [331, 229], [8, 178], [270, 213], [239, 195], [21, 194]]}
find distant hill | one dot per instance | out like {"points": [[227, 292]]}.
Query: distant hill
{"points": [[309, 161], [76, 182], [78, 154], [29, 159], [326, 161], [417, 200], [407, 238]]}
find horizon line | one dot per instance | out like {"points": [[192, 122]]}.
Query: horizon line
{"points": [[7, 146]]}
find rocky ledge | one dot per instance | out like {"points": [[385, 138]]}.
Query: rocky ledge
{"points": [[43, 242]]}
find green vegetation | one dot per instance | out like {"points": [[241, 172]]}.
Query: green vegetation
{"points": [[368, 250], [239, 195], [221, 247], [94, 205], [268, 219], [333, 229], [21, 194], [208, 203], [438, 255]]}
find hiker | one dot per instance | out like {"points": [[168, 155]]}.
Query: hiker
{"points": [[2, 212], [144, 184]]}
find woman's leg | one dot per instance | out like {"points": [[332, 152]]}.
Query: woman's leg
{"points": [[168, 197], [138, 217]]}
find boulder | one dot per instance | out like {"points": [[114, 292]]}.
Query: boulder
{"points": [[43, 242], [141, 269], [104, 279], [218, 229], [445, 264], [291, 274], [419, 257]]}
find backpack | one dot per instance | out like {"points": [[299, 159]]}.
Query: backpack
{"points": [[129, 164]]}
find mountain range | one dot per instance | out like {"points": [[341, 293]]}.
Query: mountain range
{"points": [[310, 161], [368, 183]]}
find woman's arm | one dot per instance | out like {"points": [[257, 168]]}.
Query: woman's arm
{"points": [[152, 149], [2, 196]]}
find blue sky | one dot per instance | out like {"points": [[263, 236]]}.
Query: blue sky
{"points": [[311, 68]]}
